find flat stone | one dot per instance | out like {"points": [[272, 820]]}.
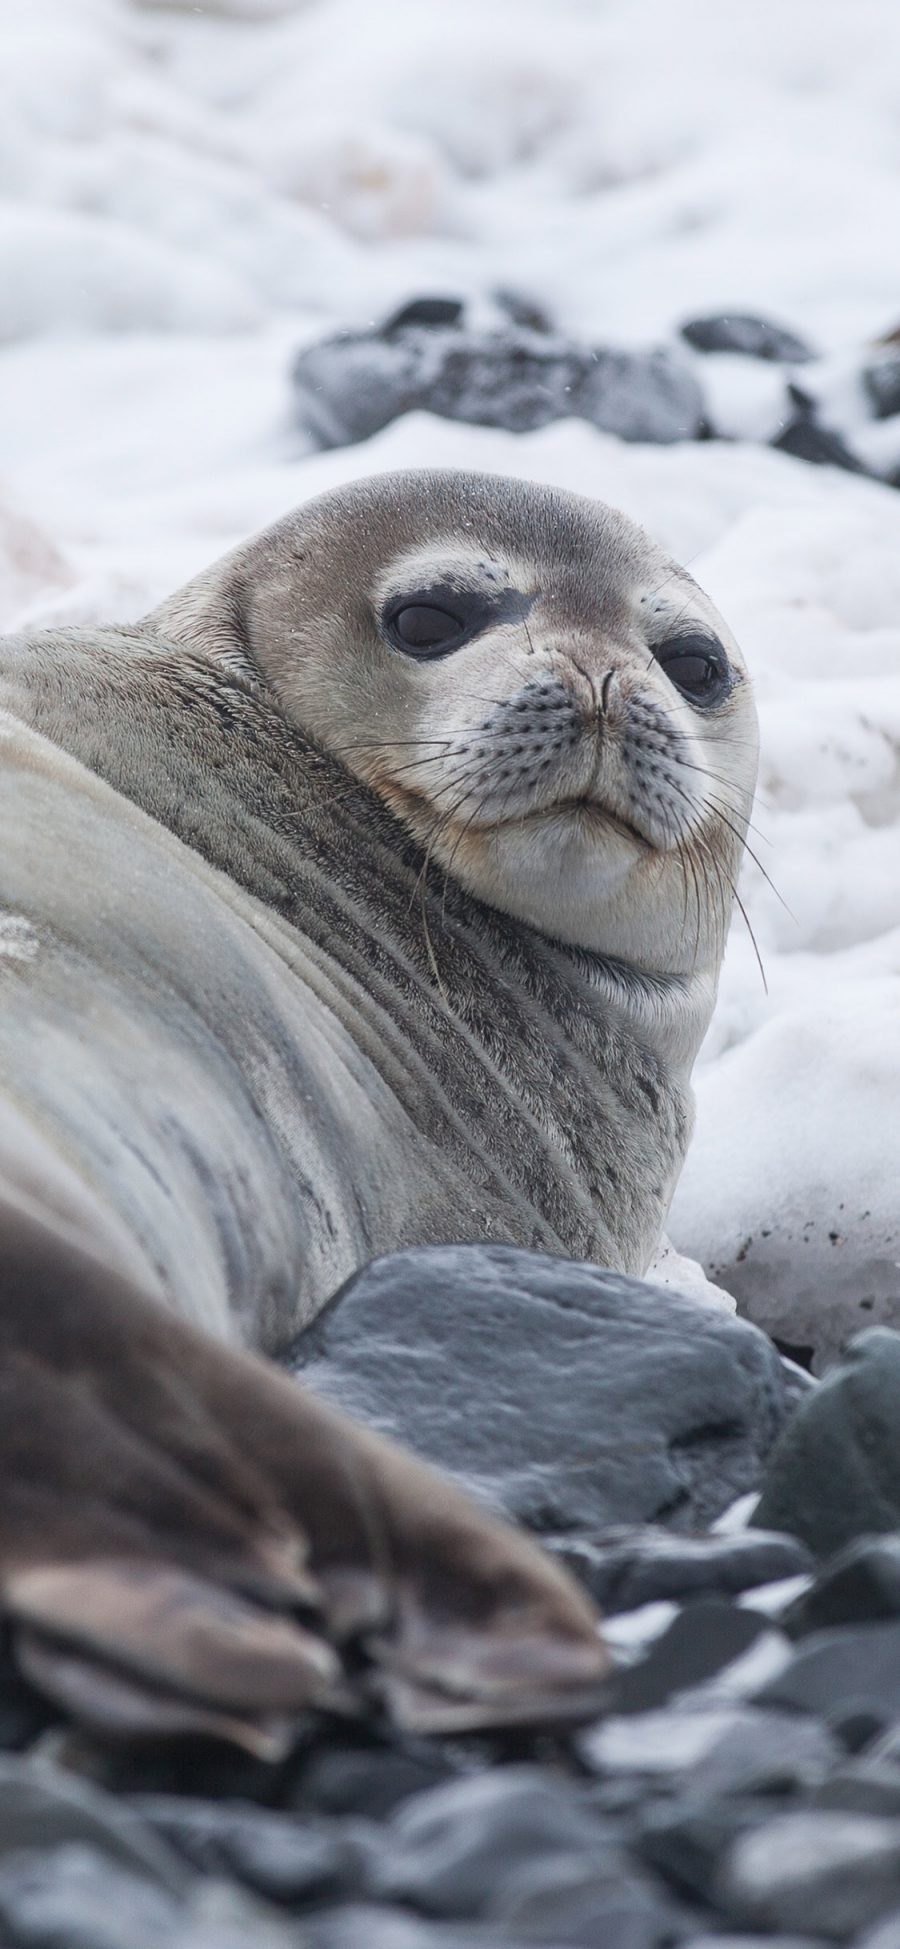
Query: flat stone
{"points": [[450, 1852], [700, 1642], [519, 376], [831, 1873], [836, 1473], [627, 1567], [757, 338], [567, 1397], [842, 1675], [273, 1854], [861, 1585]]}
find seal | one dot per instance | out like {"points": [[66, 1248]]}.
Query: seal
{"points": [[371, 892]]}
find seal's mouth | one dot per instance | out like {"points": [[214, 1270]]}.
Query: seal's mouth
{"points": [[592, 812]]}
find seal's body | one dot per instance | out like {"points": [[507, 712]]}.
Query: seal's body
{"points": [[326, 1046], [369, 893]]}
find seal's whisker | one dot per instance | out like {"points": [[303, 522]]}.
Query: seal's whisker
{"points": [[698, 842]]}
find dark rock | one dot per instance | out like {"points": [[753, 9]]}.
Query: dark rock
{"points": [[698, 1643], [271, 1853], [881, 381], [835, 1474], [667, 1748], [450, 1852], [363, 1926], [24, 1715], [766, 1753], [42, 1807], [686, 1842], [569, 1903], [753, 1942], [524, 311], [842, 1675], [569, 1397], [867, 1786], [74, 1897], [806, 439], [639, 396], [885, 1935], [372, 1781], [757, 338], [626, 1567], [518, 377], [861, 1585], [830, 1873], [430, 312]]}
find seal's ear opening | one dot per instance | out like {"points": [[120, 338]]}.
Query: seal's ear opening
{"points": [[190, 1542]]}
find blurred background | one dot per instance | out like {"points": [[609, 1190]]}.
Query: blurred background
{"points": [[645, 249]]}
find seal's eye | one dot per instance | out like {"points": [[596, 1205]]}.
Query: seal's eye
{"points": [[425, 629], [697, 666]]}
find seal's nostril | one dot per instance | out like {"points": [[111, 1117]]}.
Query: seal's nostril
{"points": [[604, 693]]}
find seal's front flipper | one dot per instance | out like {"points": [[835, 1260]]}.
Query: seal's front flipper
{"points": [[143, 1649], [191, 1542]]}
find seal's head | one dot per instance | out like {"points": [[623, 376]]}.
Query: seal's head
{"points": [[545, 699]]}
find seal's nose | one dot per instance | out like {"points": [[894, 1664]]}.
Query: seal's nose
{"points": [[605, 689]]}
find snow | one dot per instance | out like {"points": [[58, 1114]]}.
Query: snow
{"points": [[190, 193]]}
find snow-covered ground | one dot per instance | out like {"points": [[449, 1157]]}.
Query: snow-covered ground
{"points": [[189, 193]]}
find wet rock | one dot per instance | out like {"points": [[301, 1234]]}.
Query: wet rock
{"points": [[881, 382], [698, 1644], [568, 1397], [450, 1852], [843, 1676], [861, 1585], [271, 1853], [835, 1475], [627, 1567], [829, 1873], [757, 338], [519, 376]]}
